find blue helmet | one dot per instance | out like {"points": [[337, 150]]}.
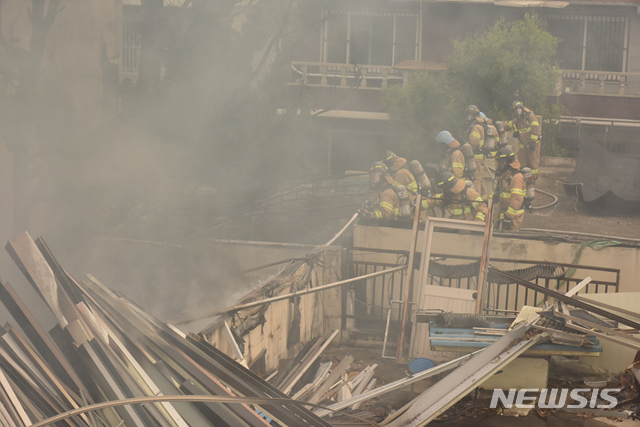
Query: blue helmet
{"points": [[445, 137]]}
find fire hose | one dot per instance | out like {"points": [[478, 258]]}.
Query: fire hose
{"points": [[535, 208]]}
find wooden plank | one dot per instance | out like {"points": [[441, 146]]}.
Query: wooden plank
{"points": [[101, 375], [141, 376], [43, 344], [584, 282], [28, 258], [309, 362], [217, 413], [234, 345], [4, 382], [63, 278]]}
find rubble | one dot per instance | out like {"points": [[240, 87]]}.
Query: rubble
{"points": [[106, 351]]}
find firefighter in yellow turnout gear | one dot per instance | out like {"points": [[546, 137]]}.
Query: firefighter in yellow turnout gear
{"points": [[400, 173], [385, 203], [492, 141], [509, 190], [454, 159], [475, 137], [527, 129], [458, 200]]}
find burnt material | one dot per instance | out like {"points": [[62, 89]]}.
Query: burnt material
{"points": [[461, 320]]}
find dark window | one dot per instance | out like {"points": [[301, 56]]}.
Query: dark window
{"points": [[590, 43], [571, 35], [370, 39], [336, 38], [605, 44], [406, 30]]}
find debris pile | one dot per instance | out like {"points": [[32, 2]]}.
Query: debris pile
{"points": [[309, 379], [105, 351]]}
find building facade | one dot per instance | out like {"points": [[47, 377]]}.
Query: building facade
{"points": [[363, 47]]}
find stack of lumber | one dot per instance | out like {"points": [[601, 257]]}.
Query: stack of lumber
{"points": [[105, 350]]}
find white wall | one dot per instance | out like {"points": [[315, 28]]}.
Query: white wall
{"points": [[625, 259]]}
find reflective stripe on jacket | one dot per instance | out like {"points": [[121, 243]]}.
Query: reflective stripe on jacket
{"points": [[512, 187], [528, 126]]}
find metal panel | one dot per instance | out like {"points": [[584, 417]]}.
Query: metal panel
{"points": [[446, 392]]}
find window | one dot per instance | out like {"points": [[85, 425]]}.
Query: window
{"points": [[370, 38], [130, 62], [591, 43]]}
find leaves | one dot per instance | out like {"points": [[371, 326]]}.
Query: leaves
{"points": [[511, 60]]}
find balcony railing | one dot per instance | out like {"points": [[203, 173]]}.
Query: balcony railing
{"points": [[598, 83], [380, 77], [347, 75]]}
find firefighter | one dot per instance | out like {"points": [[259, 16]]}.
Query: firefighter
{"points": [[400, 172], [491, 137], [385, 202], [475, 137], [526, 128], [459, 200], [454, 158], [509, 191]]}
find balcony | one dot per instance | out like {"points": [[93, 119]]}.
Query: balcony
{"points": [[318, 74], [605, 83], [375, 77]]}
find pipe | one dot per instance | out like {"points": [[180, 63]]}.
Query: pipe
{"points": [[292, 294], [407, 300], [484, 259], [178, 398], [353, 218], [578, 233]]}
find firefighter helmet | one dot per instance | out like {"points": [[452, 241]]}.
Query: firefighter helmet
{"points": [[447, 181], [506, 154], [445, 137], [473, 110], [390, 158], [378, 172], [518, 107]]}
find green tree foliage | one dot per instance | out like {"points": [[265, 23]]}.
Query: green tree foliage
{"points": [[511, 60]]}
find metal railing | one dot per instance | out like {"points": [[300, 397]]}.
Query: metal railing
{"points": [[510, 298], [372, 301]]}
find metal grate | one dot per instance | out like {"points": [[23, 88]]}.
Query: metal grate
{"points": [[130, 63], [590, 42]]}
